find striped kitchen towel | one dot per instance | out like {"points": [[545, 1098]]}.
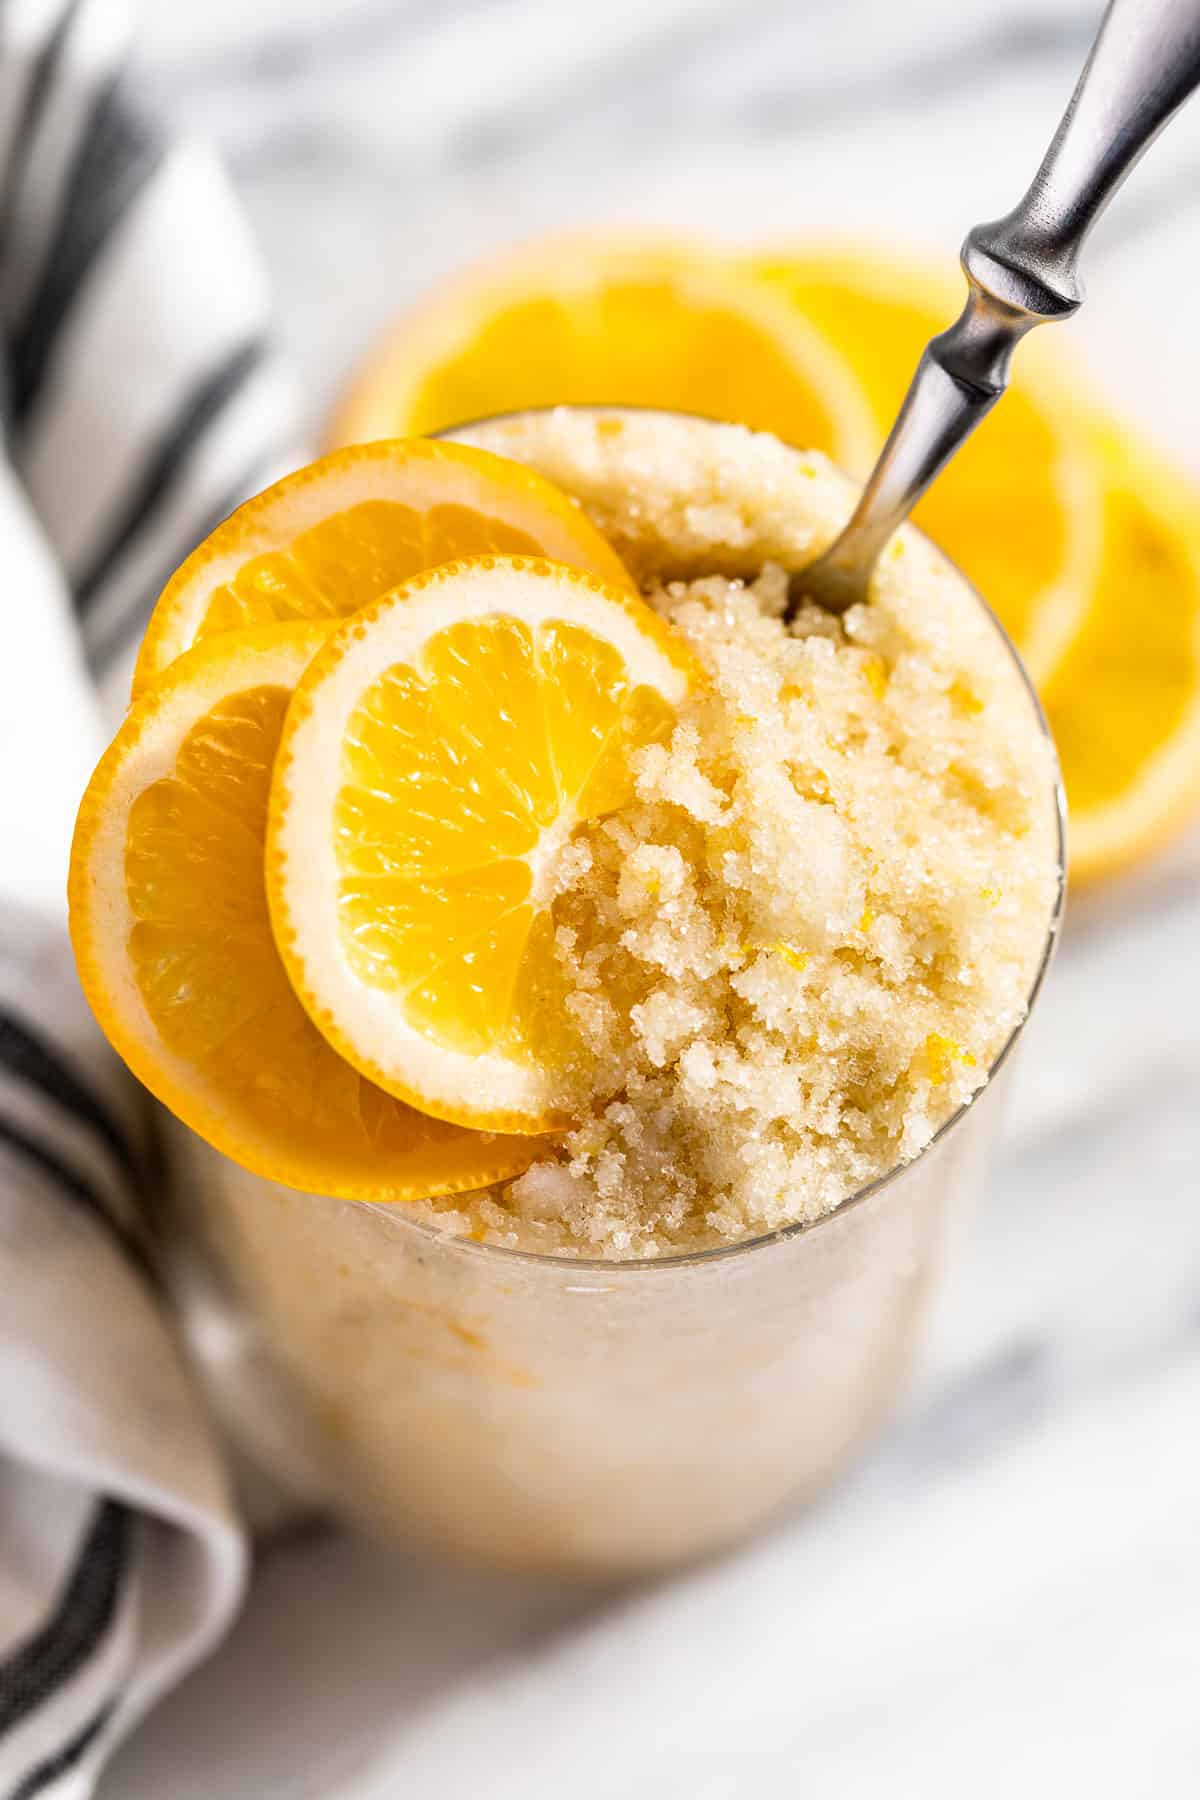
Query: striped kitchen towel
{"points": [[141, 401]]}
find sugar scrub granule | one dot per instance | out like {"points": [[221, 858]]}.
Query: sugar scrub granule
{"points": [[801, 946]]}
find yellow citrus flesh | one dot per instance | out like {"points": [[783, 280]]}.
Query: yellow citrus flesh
{"points": [[174, 947], [326, 540], [577, 321], [1124, 702], [1019, 507], [436, 757]]}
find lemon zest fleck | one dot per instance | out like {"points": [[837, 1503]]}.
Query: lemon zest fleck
{"points": [[795, 959], [964, 698], [876, 672], [941, 1052]]}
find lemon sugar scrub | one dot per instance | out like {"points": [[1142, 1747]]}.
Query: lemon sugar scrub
{"points": [[801, 945]]}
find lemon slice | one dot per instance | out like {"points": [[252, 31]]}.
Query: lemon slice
{"points": [[1018, 509], [1124, 702], [174, 947], [322, 542], [574, 320], [436, 758]]}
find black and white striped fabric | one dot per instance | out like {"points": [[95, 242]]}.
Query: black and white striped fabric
{"points": [[141, 401]]}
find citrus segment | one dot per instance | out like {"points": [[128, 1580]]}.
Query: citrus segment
{"points": [[436, 758], [1018, 508], [173, 942], [577, 321], [1124, 703], [331, 537]]}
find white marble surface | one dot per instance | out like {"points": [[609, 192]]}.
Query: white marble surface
{"points": [[1006, 1597]]}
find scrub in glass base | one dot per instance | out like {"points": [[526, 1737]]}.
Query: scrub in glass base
{"points": [[573, 1417], [598, 1416]]}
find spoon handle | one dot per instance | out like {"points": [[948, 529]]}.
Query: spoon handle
{"points": [[1021, 270]]}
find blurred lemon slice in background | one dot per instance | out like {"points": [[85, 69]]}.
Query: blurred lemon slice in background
{"points": [[1086, 545], [1018, 509], [1124, 699], [574, 320]]}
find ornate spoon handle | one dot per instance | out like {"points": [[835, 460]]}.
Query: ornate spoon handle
{"points": [[1022, 271]]}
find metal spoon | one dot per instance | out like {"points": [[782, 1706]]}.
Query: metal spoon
{"points": [[1021, 272]]}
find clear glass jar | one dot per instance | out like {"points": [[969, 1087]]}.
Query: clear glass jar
{"points": [[537, 1412], [551, 1413]]}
